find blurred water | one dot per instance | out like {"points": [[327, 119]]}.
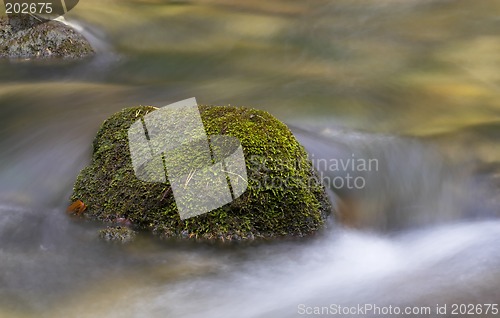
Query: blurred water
{"points": [[413, 84], [347, 268]]}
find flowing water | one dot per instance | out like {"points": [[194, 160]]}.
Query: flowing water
{"points": [[413, 85]]}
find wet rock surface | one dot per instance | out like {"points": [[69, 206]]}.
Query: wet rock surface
{"points": [[27, 36]]}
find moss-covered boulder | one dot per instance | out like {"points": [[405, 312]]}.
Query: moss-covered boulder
{"points": [[283, 198], [26, 36]]}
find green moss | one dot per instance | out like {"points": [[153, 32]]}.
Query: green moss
{"points": [[283, 197]]}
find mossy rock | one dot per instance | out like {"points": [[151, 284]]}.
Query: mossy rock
{"points": [[284, 197], [26, 36]]}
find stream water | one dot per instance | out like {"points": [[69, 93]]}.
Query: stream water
{"points": [[411, 84]]}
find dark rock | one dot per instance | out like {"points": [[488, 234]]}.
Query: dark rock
{"points": [[26, 36], [117, 234]]}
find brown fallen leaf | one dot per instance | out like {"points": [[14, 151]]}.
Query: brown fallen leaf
{"points": [[77, 208]]}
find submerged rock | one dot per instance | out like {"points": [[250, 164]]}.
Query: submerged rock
{"points": [[117, 234], [283, 198], [26, 36]]}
